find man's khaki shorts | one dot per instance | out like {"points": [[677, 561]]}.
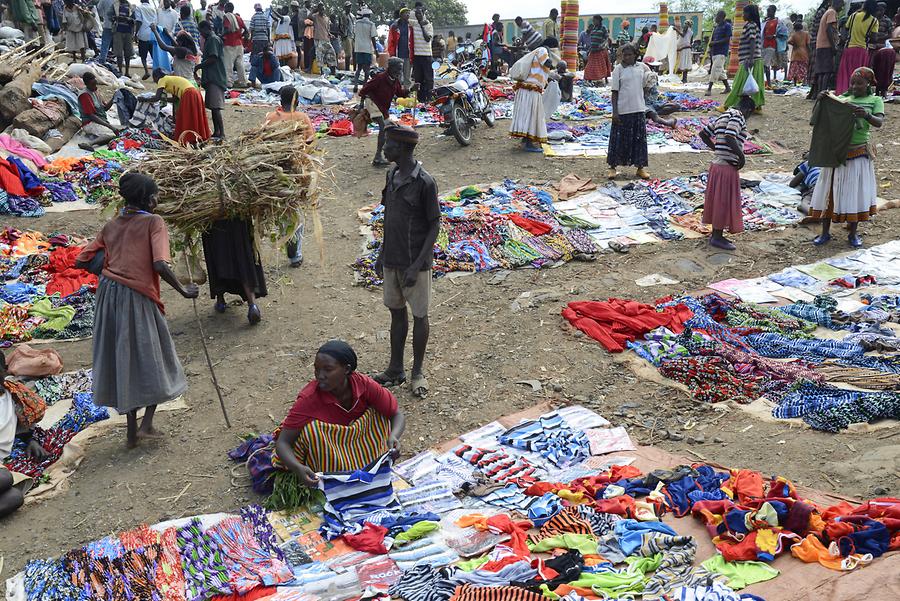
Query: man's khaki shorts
{"points": [[397, 297]]}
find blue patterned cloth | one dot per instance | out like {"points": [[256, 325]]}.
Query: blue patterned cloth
{"points": [[833, 409], [551, 437], [351, 497], [816, 350]]}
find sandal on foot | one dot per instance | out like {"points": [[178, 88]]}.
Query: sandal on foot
{"points": [[855, 241], [821, 239], [419, 386], [389, 380], [220, 306], [253, 315]]}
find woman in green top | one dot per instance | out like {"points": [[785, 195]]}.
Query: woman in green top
{"points": [[847, 193]]}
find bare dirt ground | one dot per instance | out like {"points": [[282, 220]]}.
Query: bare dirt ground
{"points": [[480, 346]]}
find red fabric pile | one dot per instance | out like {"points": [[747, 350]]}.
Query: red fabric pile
{"points": [[538, 228], [341, 127], [614, 322], [65, 278]]}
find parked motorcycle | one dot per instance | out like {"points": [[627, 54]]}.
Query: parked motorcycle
{"points": [[463, 103]]}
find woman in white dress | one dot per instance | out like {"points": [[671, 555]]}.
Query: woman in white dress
{"points": [[528, 119], [285, 47], [685, 43], [73, 25]]}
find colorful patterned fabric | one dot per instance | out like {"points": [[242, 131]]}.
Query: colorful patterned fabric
{"points": [[203, 560], [29, 407], [248, 564], [325, 447]]}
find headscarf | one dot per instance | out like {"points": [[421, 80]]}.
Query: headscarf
{"points": [[865, 73], [341, 352], [137, 188]]}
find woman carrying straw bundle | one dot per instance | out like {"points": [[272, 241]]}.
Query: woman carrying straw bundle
{"points": [[135, 364], [341, 421], [233, 265]]}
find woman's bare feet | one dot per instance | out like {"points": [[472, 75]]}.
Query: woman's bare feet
{"points": [[150, 432]]}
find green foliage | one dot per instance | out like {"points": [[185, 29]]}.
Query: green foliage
{"points": [[443, 13], [288, 493]]}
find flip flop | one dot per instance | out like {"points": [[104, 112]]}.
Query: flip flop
{"points": [[419, 386], [389, 381]]}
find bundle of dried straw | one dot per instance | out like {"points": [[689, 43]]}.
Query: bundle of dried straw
{"points": [[268, 175]]}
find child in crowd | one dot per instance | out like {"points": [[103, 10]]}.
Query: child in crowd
{"points": [[805, 178], [656, 103], [847, 193], [288, 112], [376, 96], [566, 82], [725, 135], [628, 137]]}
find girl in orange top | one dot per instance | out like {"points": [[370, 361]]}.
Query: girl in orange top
{"points": [[288, 112]]}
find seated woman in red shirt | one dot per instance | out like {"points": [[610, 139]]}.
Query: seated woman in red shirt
{"points": [[341, 421]]}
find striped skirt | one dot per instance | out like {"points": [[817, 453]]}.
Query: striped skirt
{"points": [[325, 447], [598, 66]]}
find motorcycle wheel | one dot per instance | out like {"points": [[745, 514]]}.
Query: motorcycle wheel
{"points": [[488, 115], [459, 125]]}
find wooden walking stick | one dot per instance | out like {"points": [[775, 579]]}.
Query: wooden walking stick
{"points": [[212, 371]]}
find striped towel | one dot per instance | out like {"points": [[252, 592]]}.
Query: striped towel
{"points": [[550, 436], [353, 497]]}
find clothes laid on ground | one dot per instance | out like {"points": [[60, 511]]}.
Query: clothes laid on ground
{"points": [[615, 544], [44, 296], [731, 350], [353, 496]]}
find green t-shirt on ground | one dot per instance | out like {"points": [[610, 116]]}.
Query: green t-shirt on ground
{"points": [[875, 105]]}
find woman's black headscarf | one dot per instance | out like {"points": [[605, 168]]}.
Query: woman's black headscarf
{"points": [[137, 188], [341, 352]]}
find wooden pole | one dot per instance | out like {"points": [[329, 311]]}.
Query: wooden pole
{"points": [[212, 371]]}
